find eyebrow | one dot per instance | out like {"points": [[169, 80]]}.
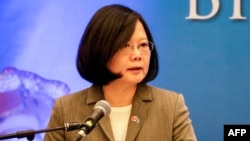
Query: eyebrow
{"points": [[141, 39]]}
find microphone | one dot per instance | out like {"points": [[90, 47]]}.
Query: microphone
{"points": [[70, 126], [101, 109]]}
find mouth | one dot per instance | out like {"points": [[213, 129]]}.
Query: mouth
{"points": [[135, 68]]}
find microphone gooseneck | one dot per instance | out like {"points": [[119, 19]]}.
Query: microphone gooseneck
{"points": [[30, 134]]}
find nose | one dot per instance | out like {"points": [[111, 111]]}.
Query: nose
{"points": [[136, 54]]}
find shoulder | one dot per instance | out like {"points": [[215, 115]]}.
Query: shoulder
{"points": [[74, 96], [162, 96], [162, 93], [87, 96]]}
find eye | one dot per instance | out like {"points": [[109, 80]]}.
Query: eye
{"points": [[145, 44], [126, 45]]}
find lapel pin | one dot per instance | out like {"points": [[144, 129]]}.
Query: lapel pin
{"points": [[135, 119]]}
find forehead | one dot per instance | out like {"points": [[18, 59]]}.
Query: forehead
{"points": [[139, 32]]}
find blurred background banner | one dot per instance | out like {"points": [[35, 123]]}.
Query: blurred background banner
{"points": [[203, 45]]}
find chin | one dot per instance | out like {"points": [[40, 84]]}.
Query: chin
{"points": [[136, 80], [132, 79]]}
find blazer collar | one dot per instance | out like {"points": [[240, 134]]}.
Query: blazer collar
{"points": [[95, 93]]}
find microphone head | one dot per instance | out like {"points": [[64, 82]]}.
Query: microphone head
{"points": [[104, 106]]}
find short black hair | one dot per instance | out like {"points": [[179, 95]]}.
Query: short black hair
{"points": [[108, 30]]}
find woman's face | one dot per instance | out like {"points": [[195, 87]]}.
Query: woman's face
{"points": [[133, 65]]}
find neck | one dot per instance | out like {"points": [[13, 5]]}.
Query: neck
{"points": [[119, 95]]}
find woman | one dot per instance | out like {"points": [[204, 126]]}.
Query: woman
{"points": [[118, 56]]}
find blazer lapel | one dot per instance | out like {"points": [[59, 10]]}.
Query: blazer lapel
{"points": [[106, 127], [139, 111], [95, 94]]}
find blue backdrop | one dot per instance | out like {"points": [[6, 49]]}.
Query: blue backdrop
{"points": [[204, 59]]}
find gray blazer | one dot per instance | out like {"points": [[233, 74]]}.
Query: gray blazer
{"points": [[162, 116]]}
